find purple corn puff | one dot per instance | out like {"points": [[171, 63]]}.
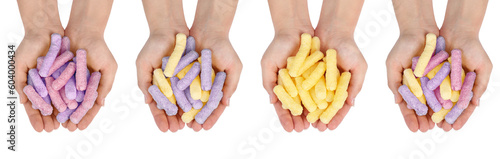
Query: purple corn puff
{"points": [[420, 109], [58, 72], [216, 95], [466, 92], [185, 60], [197, 104], [64, 116], [439, 77], [79, 95], [70, 88], [162, 102], [38, 83], [182, 101], [430, 97], [50, 57], [190, 45], [206, 69], [440, 44], [414, 62], [189, 77]]}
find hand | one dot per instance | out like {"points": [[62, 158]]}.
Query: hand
{"points": [[349, 59], [100, 59], [158, 46], [408, 45], [34, 45], [474, 58], [283, 46], [224, 58]]}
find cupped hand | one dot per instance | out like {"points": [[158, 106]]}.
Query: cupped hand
{"points": [[283, 46], [407, 47], [349, 59], [99, 58], [35, 44], [474, 58], [224, 58], [158, 46]]}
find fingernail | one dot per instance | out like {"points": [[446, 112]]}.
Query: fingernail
{"points": [[102, 101], [477, 101], [227, 101], [270, 99], [352, 101]]}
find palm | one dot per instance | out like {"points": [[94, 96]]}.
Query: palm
{"points": [[224, 58], [32, 47], [282, 47], [474, 58], [157, 47], [99, 58], [399, 59]]}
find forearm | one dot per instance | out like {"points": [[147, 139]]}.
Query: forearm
{"points": [[214, 16], [164, 15], [42, 14], [290, 16], [339, 16], [89, 16], [415, 16], [465, 16]]}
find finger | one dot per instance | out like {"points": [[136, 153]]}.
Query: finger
{"points": [[269, 77], [106, 83], [394, 79], [20, 82], [87, 119], [159, 117], [144, 79], [306, 123], [446, 127], [190, 124], [298, 123], [337, 119], [212, 119], [440, 124], [48, 124], [321, 126], [462, 119], [284, 116], [71, 126], [196, 126], [65, 124], [356, 83], [179, 118], [409, 116], [34, 116], [231, 83], [431, 123], [315, 124], [173, 123], [480, 84], [423, 123], [54, 119]]}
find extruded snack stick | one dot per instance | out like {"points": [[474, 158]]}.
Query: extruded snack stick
{"points": [[439, 116], [318, 72], [180, 45], [343, 82], [190, 45], [447, 104], [38, 83], [189, 77], [187, 117], [320, 89], [314, 116], [197, 104], [185, 60], [89, 99], [304, 49], [55, 97], [206, 69], [336, 105], [412, 100], [50, 57], [164, 62], [70, 88], [81, 70], [305, 97], [332, 72], [445, 88], [286, 99], [440, 44], [60, 60], [320, 103], [216, 95], [456, 69], [310, 60], [195, 88], [439, 77], [183, 72], [70, 103], [435, 61], [45, 109], [412, 83], [287, 82], [430, 97], [62, 117], [68, 72], [161, 101], [182, 101], [430, 46], [466, 92], [162, 82]]}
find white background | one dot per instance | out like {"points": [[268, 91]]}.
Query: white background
{"points": [[249, 128]]}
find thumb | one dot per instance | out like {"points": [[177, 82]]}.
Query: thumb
{"points": [[107, 79], [269, 77], [231, 83]]}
